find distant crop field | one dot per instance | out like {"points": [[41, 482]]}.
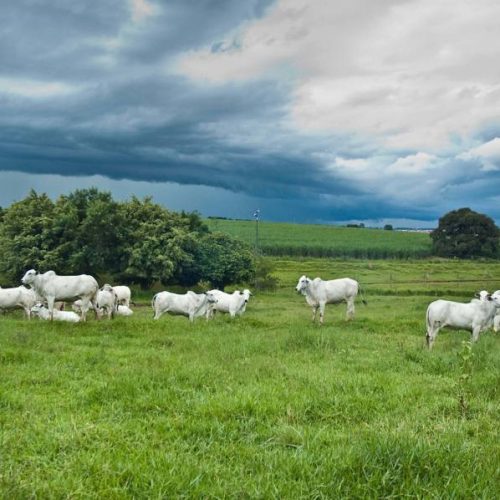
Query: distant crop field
{"points": [[309, 240], [264, 406]]}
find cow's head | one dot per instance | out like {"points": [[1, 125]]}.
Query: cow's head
{"points": [[483, 295], [29, 277], [302, 285], [246, 294], [211, 298], [495, 297], [37, 308]]}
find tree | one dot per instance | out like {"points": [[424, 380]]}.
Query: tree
{"points": [[388, 227], [25, 236], [466, 234], [160, 242], [223, 260]]}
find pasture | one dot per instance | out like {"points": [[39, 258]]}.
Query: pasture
{"points": [[267, 405], [314, 240]]}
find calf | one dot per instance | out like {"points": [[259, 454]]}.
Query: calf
{"points": [[43, 313], [11, 298], [106, 301], [234, 303], [123, 311]]}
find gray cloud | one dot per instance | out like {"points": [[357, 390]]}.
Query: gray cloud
{"points": [[90, 89]]}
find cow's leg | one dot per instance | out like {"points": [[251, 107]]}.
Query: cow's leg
{"points": [[432, 331], [50, 307], [86, 303], [476, 330], [350, 308], [321, 312], [27, 311], [315, 310]]}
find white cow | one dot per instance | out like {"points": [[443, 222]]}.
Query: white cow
{"points": [[43, 313], [23, 297], [475, 316], [123, 311], [123, 295], [107, 301], [318, 293], [52, 287], [232, 303], [189, 304]]}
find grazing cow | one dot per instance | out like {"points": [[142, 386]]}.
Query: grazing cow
{"points": [[23, 297], [123, 311], [52, 287], [475, 316], [234, 303], [189, 304], [43, 313], [318, 293], [123, 295], [107, 301]]}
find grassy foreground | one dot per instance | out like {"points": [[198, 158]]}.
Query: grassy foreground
{"points": [[264, 406]]}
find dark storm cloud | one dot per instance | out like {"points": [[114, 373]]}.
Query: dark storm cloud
{"points": [[88, 88]]}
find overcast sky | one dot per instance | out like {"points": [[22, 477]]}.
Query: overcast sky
{"points": [[382, 111]]}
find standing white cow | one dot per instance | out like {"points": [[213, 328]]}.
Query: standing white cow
{"points": [[107, 301], [52, 287], [189, 304], [123, 295], [474, 316], [232, 303], [318, 293], [23, 297]]}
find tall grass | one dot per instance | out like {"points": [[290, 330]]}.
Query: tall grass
{"points": [[308, 240], [267, 405]]}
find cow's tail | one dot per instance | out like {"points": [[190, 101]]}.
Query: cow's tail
{"points": [[362, 295]]}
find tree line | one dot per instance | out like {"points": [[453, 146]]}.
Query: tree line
{"points": [[135, 241]]}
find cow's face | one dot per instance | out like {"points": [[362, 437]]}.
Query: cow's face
{"points": [[483, 296], [29, 277], [302, 284], [211, 298], [495, 297]]}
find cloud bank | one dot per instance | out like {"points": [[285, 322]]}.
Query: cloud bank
{"points": [[317, 111]]}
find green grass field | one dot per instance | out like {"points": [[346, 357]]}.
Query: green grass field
{"points": [[265, 406], [309, 240]]}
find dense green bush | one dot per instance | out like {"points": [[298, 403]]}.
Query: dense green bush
{"points": [[135, 241]]}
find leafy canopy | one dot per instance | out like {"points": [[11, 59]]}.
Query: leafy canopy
{"points": [[466, 234], [136, 241]]}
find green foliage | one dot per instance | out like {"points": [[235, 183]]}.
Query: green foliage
{"points": [[222, 260], [309, 240], [26, 239], [466, 234], [264, 277], [388, 227], [136, 241]]}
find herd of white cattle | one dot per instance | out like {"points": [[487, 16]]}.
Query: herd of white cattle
{"points": [[48, 293]]}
